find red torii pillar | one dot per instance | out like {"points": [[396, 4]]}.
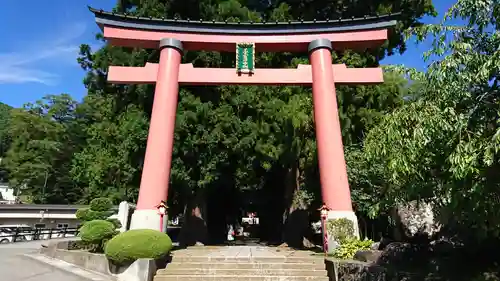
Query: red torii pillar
{"points": [[335, 190], [158, 160]]}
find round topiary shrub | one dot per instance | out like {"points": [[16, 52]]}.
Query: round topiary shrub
{"points": [[82, 214], [101, 204], [116, 222], [136, 244], [97, 231]]}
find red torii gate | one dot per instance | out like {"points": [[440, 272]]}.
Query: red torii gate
{"points": [[172, 37]]}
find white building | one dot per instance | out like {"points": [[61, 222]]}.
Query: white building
{"points": [[55, 216], [39, 215], [7, 194], [48, 215]]}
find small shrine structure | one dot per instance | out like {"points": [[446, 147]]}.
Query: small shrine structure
{"points": [[172, 37]]}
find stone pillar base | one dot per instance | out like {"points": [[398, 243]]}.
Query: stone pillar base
{"points": [[333, 243], [123, 212], [147, 219]]}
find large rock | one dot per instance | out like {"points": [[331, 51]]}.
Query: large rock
{"points": [[375, 246], [416, 219], [396, 253], [367, 255]]}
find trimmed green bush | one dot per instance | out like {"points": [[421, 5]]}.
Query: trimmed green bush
{"points": [[340, 229], [90, 215], [95, 233], [350, 246], [82, 214], [101, 204], [116, 222], [136, 244], [99, 209]]}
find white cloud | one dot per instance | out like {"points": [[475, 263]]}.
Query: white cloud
{"points": [[23, 66], [13, 75]]}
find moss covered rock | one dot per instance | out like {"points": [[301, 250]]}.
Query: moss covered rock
{"points": [[138, 244]]}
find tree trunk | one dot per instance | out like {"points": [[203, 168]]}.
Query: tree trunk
{"points": [[222, 210], [194, 228], [271, 206], [295, 215]]}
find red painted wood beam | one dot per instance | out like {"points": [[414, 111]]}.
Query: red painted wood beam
{"points": [[360, 39], [189, 75]]}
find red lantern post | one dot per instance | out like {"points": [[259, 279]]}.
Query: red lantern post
{"points": [[324, 215]]}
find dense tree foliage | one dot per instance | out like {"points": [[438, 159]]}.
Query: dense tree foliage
{"points": [[45, 135], [443, 147], [5, 138], [256, 141]]}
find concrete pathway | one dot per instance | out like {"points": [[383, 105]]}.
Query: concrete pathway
{"points": [[15, 266], [242, 252]]}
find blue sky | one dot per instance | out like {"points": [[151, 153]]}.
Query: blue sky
{"points": [[40, 45]]}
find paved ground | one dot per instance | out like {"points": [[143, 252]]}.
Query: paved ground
{"points": [[14, 266], [242, 252]]}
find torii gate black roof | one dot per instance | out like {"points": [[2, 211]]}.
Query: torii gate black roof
{"points": [[104, 18]]}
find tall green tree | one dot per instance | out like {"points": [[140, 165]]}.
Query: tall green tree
{"points": [[5, 138], [39, 157], [110, 158], [443, 147]]}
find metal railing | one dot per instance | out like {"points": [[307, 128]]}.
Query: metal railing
{"points": [[22, 235]]}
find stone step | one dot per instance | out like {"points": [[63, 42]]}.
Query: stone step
{"points": [[242, 272], [236, 278], [197, 259], [232, 265]]}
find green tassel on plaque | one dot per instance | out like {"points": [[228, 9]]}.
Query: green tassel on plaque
{"points": [[245, 57]]}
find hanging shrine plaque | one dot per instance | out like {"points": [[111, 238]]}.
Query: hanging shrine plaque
{"points": [[245, 57]]}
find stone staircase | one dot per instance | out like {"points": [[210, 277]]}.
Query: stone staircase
{"points": [[243, 263]]}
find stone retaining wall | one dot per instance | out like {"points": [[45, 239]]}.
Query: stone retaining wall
{"points": [[351, 270], [86, 260], [140, 270]]}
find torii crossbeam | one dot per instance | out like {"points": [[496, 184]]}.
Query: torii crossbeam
{"points": [[172, 37], [189, 75]]}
